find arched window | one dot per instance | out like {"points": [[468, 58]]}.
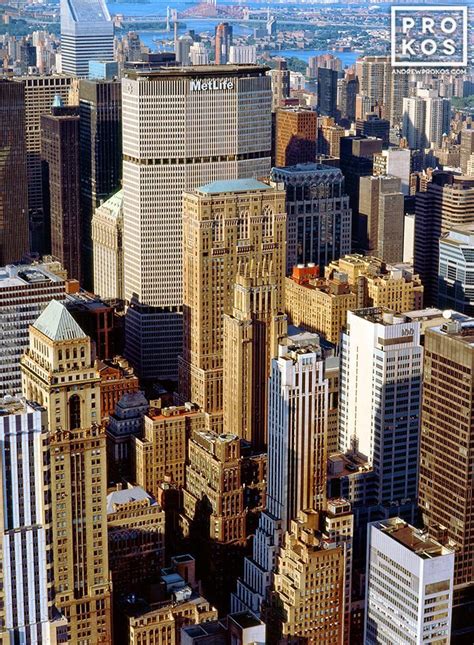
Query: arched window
{"points": [[74, 412], [267, 221]]}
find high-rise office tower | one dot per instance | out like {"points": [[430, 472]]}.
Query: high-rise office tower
{"points": [[280, 76], [319, 218], [447, 203], [87, 33], [426, 118], [252, 331], [414, 120], [373, 126], [199, 54], [296, 130], [27, 598], [247, 218], [182, 49], [410, 580], [61, 192], [329, 137], [379, 413], [310, 599], [456, 270], [446, 474], [40, 94], [467, 148], [222, 130], [107, 244], [347, 89], [296, 480], [382, 205], [25, 290], [397, 163], [327, 92], [223, 36], [78, 469], [399, 89], [375, 77], [357, 160], [14, 229], [243, 54], [100, 109]]}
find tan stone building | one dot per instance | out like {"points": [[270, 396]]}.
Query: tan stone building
{"points": [[251, 336], [329, 137], [161, 452], [58, 372], [310, 601], [352, 282], [136, 537], [227, 226], [316, 304]]}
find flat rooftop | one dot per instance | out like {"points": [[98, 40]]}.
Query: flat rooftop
{"points": [[245, 619], [10, 405], [196, 71], [309, 167], [28, 274], [416, 540], [233, 186]]}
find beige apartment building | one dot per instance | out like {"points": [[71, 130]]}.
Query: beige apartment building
{"points": [[160, 455]]}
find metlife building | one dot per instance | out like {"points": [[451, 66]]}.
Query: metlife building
{"points": [[182, 128]]}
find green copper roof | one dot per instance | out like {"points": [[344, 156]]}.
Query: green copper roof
{"points": [[57, 323], [232, 186]]}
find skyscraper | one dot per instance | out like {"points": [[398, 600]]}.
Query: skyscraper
{"points": [[27, 600], [319, 218], [456, 270], [379, 413], [467, 148], [297, 435], [247, 218], [357, 160], [14, 229], [25, 290], [100, 109], [296, 130], [382, 205], [447, 203], [446, 474], [40, 94], [327, 92], [409, 579], [107, 241], [375, 78], [61, 193], [87, 33], [251, 333], [221, 130], [78, 469], [426, 118], [223, 36]]}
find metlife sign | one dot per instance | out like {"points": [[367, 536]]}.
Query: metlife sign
{"points": [[429, 36], [211, 85]]}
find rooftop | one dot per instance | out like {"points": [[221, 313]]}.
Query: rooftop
{"points": [[309, 167], [28, 274], [245, 619], [198, 71], [232, 186], [58, 324], [17, 405], [125, 496], [416, 540]]}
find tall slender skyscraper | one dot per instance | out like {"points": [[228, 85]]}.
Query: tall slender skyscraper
{"points": [[247, 219], [297, 435], [223, 42], [58, 372], [183, 127], [61, 176], [14, 230], [446, 452], [27, 576], [87, 33], [100, 109], [327, 92]]}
